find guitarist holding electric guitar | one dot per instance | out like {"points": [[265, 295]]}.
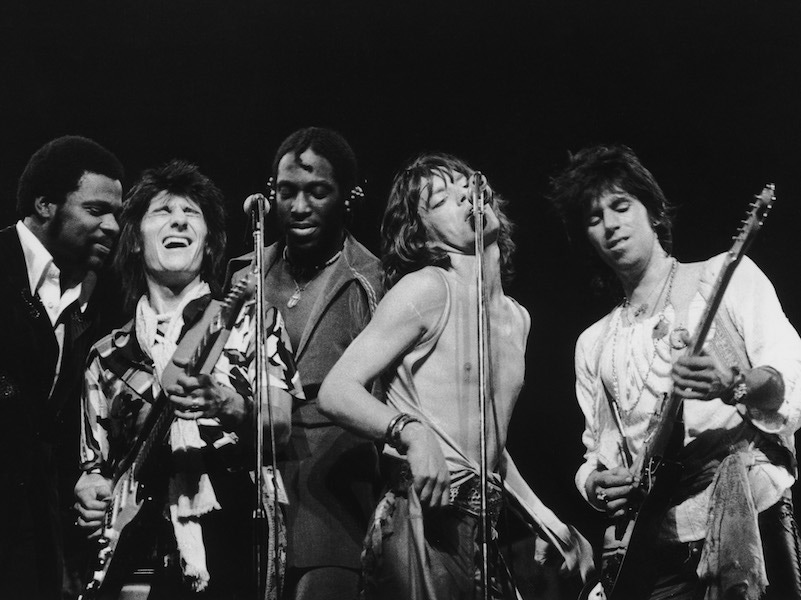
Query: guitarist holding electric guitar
{"points": [[691, 396], [166, 443]]}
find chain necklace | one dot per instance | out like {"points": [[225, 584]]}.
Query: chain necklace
{"points": [[641, 309], [317, 269], [659, 331]]}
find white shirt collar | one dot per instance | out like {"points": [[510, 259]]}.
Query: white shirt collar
{"points": [[39, 264], [38, 261]]}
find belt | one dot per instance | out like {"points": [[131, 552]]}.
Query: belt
{"points": [[465, 497]]}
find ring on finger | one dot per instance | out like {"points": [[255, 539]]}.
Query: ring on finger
{"points": [[601, 495]]}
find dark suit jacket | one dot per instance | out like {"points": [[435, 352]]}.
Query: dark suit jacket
{"points": [[33, 427]]}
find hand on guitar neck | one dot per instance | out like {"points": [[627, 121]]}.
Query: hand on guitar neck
{"points": [[700, 377], [198, 397]]}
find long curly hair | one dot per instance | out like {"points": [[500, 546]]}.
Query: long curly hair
{"points": [[404, 239], [178, 178]]}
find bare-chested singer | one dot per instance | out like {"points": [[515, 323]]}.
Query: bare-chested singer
{"points": [[422, 342]]}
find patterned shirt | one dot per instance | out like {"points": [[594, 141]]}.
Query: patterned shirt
{"points": [[120, 387]]}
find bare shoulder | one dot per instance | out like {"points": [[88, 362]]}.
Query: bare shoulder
{"points": [[421, 288], [419, 297]]}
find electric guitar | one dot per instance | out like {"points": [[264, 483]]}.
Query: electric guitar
{"points": [[627, 562], [201, 347]]}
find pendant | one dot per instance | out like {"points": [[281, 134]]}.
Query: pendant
{"points": [[677, 337], [293, 300], [661, 328]]}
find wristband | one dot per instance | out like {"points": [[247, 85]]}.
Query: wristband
{"points": [[392, 422], [394, 429], [737, 390]]}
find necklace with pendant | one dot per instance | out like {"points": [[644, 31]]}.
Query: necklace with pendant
{"points": [[659, 332], [294, 299]]}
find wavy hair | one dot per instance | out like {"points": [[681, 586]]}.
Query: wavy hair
{"points": [[177, 178], [404, 239], [591, 172]]}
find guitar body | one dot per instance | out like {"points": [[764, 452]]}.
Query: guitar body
{"points": [[129, 522], [628, 564], [126, 501]]}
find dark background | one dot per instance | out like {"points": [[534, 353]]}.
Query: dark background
{"points": [[707, 93]]}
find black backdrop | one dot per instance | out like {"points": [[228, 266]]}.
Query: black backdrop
{"points": [[707, 93]]}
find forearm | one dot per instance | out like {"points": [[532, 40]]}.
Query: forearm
{"points": [[350, 405], [772, 345]]}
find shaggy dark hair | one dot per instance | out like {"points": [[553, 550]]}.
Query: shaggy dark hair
{"points": [[591, 172], [404, 238], [56, 169], [330, 145], [177, 178]]}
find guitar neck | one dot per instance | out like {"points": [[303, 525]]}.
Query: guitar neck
{"points": [[161, 416], [663, 433], [671, 409]]}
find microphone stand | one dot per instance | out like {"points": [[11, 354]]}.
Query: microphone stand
{"points": [[262, 399], [478, 189]]}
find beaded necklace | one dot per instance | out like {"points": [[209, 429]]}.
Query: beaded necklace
{"points": [[317, 269], [660, 329]]}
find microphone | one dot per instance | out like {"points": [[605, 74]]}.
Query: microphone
{"points": [[480, 191], [256, 207], [251, 204]]}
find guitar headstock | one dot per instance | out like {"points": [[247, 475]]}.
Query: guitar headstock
{"points": [[234, 299], [757, 212]]}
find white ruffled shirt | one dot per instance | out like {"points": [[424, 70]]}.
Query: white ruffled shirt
{"points": [[643, 372]]}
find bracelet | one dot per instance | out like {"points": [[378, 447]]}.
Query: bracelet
{"points": [[393, 421], [737, 390], [394, 429]]}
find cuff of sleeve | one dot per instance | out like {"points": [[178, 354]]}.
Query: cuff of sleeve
{"points": [[581, 480]]}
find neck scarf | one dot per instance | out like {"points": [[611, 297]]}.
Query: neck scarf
{"points": [[191, 494]]}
